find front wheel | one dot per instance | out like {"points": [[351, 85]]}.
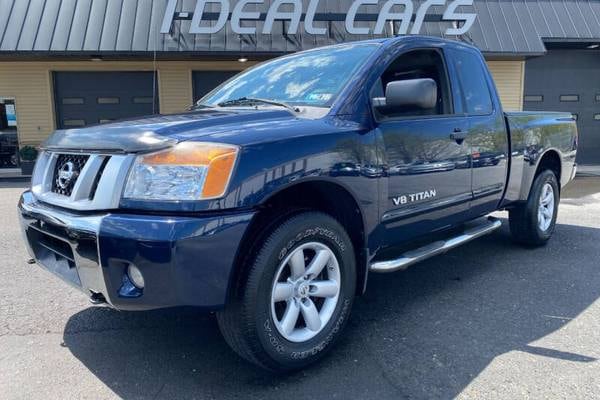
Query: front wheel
{"points": [[533, 222], [295, 297]]}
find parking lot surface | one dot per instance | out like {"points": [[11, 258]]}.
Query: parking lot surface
{"points": [[488, 320]]}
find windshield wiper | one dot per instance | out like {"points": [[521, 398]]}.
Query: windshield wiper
{"points": [[198, 106], [254, 100]]}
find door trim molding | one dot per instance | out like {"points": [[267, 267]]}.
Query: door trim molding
{"points": [[488, 190]]}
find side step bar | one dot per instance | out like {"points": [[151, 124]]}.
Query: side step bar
{"points": [[414, 256]]}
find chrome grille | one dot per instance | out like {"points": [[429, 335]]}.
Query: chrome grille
{"points": [[66, 172], [87, 181]]}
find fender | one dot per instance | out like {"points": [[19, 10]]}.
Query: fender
{"points": [[530, 167], [328, 181]]}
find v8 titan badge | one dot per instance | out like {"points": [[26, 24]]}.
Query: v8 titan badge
{"points": [[413, 197]]}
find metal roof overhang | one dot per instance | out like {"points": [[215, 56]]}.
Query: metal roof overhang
{"points": [[117, 29]]}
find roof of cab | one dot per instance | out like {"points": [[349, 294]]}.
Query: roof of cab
{"points": [[424, 38], [400, 38]]}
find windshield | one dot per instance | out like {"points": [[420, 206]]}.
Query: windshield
{"points": [[313, 78]]}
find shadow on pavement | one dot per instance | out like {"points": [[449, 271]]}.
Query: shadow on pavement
{"points": [[423, 333]]}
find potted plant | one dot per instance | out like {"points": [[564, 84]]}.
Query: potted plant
{"points": [[28, 155]]}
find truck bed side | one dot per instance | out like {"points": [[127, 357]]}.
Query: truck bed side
{"points": [[537, 136]]}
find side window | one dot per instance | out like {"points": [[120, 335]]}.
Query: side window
{"points": [[472, 78], [416, 64]]}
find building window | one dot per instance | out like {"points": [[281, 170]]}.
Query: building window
{"points": [[597, 117], [598, 97], [72, 100], [9, 142], [569, 97], [142, 100], [74, 122], [533, 97], [108, 100]]}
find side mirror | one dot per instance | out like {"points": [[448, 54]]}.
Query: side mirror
{"points": [[410, 93]]}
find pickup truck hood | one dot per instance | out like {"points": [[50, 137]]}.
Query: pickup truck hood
{"points": [[162, 131]]}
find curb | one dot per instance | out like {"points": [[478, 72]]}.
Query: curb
{"points": [[15, 178]]}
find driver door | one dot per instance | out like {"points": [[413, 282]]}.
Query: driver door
{"points": [[427, 159]]}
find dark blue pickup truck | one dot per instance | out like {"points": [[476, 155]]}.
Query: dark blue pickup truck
{"points": [[278, 193]]}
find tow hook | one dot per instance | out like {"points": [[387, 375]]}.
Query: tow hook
{"points": [[97, 298]]}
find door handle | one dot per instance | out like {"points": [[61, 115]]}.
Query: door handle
{"points": [[458, 135]]}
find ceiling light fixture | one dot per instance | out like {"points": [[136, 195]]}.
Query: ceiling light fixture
{"points": [[242, 59], [593, 46]]}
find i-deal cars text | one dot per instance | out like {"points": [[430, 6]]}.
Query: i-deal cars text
{"points": [[281, 191], [246, 10]]}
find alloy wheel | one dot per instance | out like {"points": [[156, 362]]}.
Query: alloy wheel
{"points": [[305, 291], [546, 207]]}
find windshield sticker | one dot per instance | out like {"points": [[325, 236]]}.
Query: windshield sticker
{"points": [[319, 96]]}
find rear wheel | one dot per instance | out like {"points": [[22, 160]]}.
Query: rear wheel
{"points": [[296, 296], [532, 223]]}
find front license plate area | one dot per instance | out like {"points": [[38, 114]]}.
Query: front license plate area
{"points": [[53, 254]]}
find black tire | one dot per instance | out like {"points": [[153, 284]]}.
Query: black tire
{"points": [[247, 323], [523, 219]]}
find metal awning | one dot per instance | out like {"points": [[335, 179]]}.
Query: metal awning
{"points": [[71, 27]]}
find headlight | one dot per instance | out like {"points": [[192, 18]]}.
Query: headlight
{"points": [[188, 171]]}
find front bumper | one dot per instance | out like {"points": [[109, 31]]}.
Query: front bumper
{"points": [[185, 261]]}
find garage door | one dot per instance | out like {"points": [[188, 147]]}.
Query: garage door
{"points": [[205, 81], [86, 98], [568, 80]]}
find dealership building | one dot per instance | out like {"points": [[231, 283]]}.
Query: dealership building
{"points": [[71, 63]]}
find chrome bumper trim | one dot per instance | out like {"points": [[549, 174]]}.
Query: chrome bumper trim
{"points": [[84, 223]]}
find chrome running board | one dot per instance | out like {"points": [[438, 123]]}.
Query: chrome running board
{"points": [[484, 227]]}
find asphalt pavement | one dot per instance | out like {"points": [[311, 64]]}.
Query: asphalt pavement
{"points": [[487, 320]]}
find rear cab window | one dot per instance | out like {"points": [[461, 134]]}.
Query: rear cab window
{"points": [[473, 85]]}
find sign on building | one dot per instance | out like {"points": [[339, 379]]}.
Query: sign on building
{"points": [[404, 12]]}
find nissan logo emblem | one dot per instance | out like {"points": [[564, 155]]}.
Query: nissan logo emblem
{"points": [[66, 173]]}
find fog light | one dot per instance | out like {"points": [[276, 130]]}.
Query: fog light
{"points": [[135, 276]]}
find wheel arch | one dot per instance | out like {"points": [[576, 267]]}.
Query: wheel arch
{"points": [[322, 195], [549, 159]]}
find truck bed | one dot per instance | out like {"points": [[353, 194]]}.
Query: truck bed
{"points": [[532, 135]]}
